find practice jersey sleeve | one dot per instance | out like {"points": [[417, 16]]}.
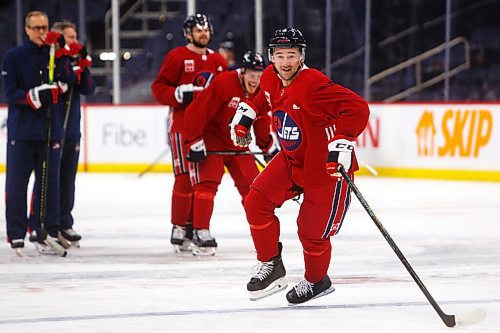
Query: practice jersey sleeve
{"points": [[330, 103], [201, 110], [262, 124], [163, 87]]}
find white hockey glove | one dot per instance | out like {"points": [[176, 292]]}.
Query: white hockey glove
{"points": [[241, 123], [184, 93], [42, 95], [63, 87], [339, 153], [197, 151]]}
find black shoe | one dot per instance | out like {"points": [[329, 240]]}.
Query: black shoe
{"points": [[269, 278], [305, 290]]}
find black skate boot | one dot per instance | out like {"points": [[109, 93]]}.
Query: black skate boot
{"points": [[270, 278], [178, 239], [17, 245], [204, 243], [70, 237], [305, 290]]}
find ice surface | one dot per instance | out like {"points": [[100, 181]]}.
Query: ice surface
{"points": [[126, 278]]}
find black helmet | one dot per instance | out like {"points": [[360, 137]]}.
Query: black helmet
{"points": [[288, 37], [198, 20], [253, 60]]}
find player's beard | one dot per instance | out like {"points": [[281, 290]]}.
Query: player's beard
{"points": [[201, 43]]}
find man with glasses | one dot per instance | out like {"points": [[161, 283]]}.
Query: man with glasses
{"points": [[32, 101]]}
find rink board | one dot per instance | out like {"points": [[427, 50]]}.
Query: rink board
{"points": [[454, 141]]}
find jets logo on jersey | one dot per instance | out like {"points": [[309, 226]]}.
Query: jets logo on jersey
{"points": [[189, 65], [233, 103], [287, 130]]}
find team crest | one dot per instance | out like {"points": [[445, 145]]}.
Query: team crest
{"points": [[189, 65], [287, 130], [233, 103]]}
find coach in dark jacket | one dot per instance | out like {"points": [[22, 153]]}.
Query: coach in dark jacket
{"points": [[25, 71]]}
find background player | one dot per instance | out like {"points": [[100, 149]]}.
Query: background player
{"points": [[317, 122], [206, 128], [174, 87]]}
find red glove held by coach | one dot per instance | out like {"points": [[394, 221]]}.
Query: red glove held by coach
{"points": [[339, 153]]}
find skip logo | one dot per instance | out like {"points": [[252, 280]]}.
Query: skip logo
{"points": [[287, 130], [463, 132]]}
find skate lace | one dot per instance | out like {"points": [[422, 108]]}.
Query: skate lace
{"points": [[178, 232], [203, 234], [263, 270], [303, 288]]}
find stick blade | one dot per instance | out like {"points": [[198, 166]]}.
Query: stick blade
{"points": [[470, 318]]}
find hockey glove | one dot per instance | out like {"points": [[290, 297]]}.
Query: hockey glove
{"points": [[197, 151], [241, 123], [63, 87], [339, 153], [56, 38], [273, 149], [42, 95], [184, 93]]}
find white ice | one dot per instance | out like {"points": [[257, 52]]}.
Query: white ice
{"points": [[126, 278]]}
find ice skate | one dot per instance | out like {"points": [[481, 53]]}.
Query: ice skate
{"points": [[203, 243], [17, 245], [179, 240], [269, 279], [54, 244], [33, 237], [305, 291], [69, 237]]}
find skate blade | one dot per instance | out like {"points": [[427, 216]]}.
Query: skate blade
{"points": [[19, 252], [56, 247], [64, 242], [272, 289], [75, 244], [43, 249], [203, 251], [324, 293], [187, 246]]}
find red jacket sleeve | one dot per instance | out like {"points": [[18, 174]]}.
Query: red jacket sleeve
{"points": [[331, 103], [201, 110], [164, 85]]}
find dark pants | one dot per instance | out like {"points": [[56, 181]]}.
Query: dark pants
{"points": [[69, 167], [22, 158]]}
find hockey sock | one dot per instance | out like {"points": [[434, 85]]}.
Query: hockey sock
{"points": [[264, 225], [317, 255], [181, 199], [204, 194]]}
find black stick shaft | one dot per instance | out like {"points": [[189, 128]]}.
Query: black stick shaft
{"points": [[154, 163], [227, 152], [449, 320]]}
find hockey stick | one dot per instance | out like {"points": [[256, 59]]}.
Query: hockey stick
{"points": [[154, 163], [45, 164], [464, 319], [66, 118], [227, 152]]}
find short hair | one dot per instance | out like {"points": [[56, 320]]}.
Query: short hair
{"points": [[34, 13], [60, 26]]}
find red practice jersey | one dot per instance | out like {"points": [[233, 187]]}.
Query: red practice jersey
{"points": [[306, 116], [180, 66], [209, 115]]}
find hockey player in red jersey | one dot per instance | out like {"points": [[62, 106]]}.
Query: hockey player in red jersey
{"points": [[206, 128], [185, 71], [317, 122]]}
